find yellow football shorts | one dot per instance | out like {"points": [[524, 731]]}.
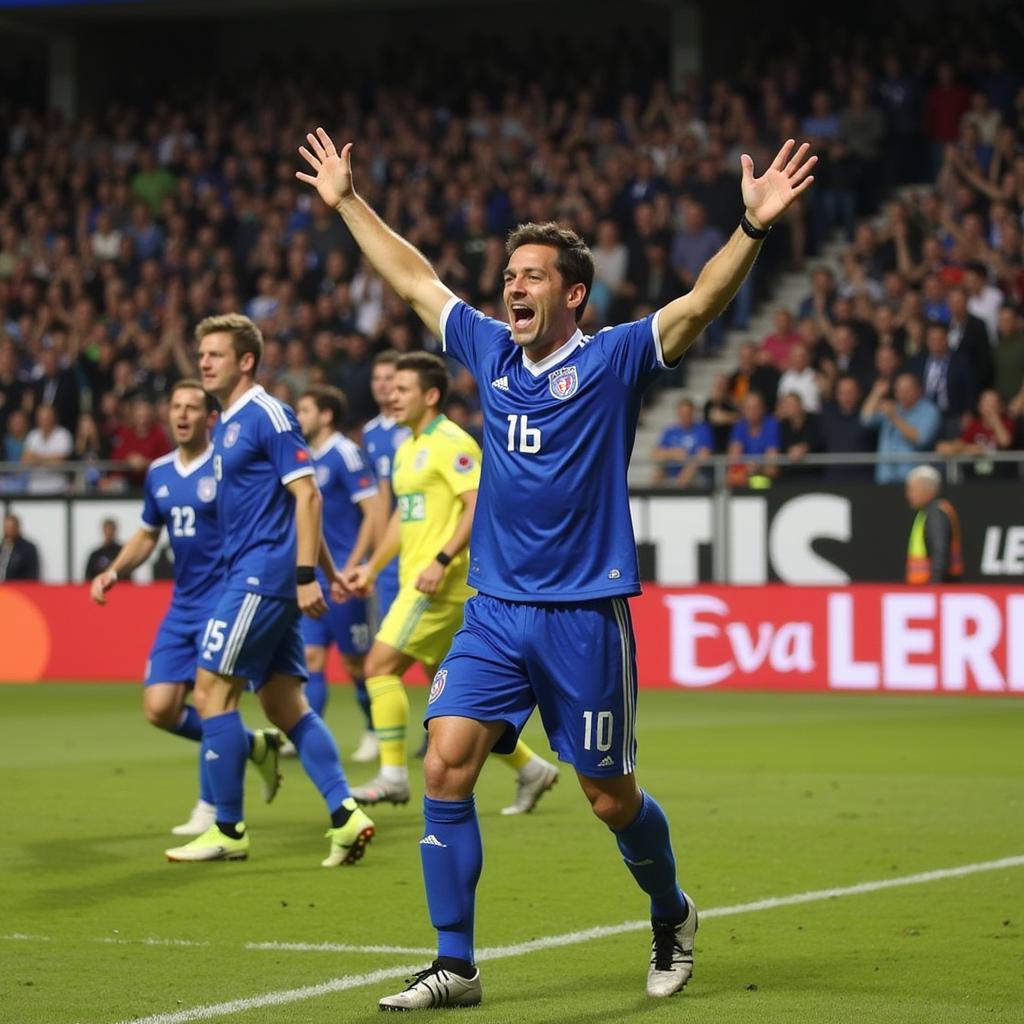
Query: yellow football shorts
{"points": [[421, 626]]}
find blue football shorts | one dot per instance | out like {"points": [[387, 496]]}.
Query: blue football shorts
{"points": [[345, 624], [175, 651], [575, 662], [385, 591], [253, 636]]}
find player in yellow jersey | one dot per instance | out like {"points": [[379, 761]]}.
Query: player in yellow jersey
{"points": [[435, 478]]}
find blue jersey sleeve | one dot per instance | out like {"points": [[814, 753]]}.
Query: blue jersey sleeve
{"points": [[152, 518], [286, 448], [704, 437], [633, 351], [358, 475], [470, 337], [772, 437]]}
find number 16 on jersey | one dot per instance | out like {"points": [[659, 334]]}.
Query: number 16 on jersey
{"points": [[528, 437]]}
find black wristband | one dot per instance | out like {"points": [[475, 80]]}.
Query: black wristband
{"points": [[444, 559], [758, 234], [305, 574]]}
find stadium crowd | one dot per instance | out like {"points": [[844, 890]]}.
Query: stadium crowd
{"points": [[121, 230]]}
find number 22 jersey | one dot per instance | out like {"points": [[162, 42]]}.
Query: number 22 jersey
{"points": [[553, 522]]}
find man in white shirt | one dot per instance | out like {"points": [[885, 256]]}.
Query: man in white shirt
{"points": [[48, 443], [801, 379], [983, 299]]}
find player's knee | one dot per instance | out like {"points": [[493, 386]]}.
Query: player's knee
{"points": [[163, 716], [446, 778], [284, 707], [611, 809], [315, 659]]}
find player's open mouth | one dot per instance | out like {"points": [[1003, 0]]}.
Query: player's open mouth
{"points": [[522, 316]]}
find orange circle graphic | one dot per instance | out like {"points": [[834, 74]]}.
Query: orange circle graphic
{"points": [[24, 638]]}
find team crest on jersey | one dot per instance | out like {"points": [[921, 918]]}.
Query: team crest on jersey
{"points": [[231, 433], [206, 488], [323, 474], [564, 382], [437, 686], [421, 459], [463, 463]]}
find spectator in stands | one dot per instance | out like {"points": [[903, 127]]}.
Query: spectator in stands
{"points": [[990, 430], [611, 260], [720, 413], [947, 380], [683, 447], [100, 558], [1009, 354], [888, 366], [888, 333], [55, 386], [19, 558], [843, 432], [140, 441], [48, 443], [799, 435], [12, 386], [823, 294], [906, 423], [969, 335], [12, 451], [802, 379], [776, 345], [754, 373], [984, 300], [757, 434], [946, 103], [844, 356]]}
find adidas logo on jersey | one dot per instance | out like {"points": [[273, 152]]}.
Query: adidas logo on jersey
{"points": [[432, 840], [501, 383], [606, 763], [163, 492]]}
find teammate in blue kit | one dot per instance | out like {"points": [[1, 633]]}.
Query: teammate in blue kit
{"points": [[268, 509], [552, 551], [180, 493], [349, 490]]}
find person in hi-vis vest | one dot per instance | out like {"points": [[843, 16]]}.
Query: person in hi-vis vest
{"points": [[934, 553]]}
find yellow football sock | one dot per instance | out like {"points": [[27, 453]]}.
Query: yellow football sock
{"points": [[389, 709], [518, 758]]}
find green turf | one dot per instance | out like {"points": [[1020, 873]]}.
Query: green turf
{"points": [[768, 795]]}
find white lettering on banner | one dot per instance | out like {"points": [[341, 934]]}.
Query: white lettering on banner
{"points": [[678, 528], [797, 523], [1015, 642], [970, 634], [748, 525], [786, 649], [900, 641], [844, 672], [1011, 563]]}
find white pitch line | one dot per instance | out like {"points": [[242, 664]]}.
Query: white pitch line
{"points": [[325, 988], [338, 947]]}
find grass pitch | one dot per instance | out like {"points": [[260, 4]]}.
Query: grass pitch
{"points": [[768, 795]]}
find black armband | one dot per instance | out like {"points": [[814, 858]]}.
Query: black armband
{"points": [[305, 574], [444, 559], [758, 234]]}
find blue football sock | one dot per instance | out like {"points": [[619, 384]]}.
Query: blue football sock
{"points": [[452, 855], [224, 751], [363, 699], [316, 692], [205, 782], [647, 850], [319, 756], [190, 725]]}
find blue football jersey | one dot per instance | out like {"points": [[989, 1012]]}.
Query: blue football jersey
{"points": [[381, 438], [184, 499], [345, 479], [258, 449], [553, 520]]}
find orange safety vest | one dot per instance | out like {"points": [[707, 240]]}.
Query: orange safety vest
{"points": [[919, 562]]}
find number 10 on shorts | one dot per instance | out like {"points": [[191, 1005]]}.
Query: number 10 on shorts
{"points": [[601, 738]]}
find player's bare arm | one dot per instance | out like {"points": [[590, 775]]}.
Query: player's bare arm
{"points": [[137, 549], [404, 268], [359, 579], [765, 198], [310, 550], [430, 579], [368, 531]]}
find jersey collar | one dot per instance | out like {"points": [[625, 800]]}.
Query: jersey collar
{"points": [[188, 468], [327, 445], [256, 389], [559, 355]]}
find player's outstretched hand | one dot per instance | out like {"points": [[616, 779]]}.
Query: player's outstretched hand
{"points": [[430, 579], [332, 176], [311, 600], [357, 581], [339, 593], [767, 198], [101, 584]]}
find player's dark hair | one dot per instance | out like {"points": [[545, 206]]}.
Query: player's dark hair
{"points": [[431, 371], [389, 357], [212, 405], [575, 261], [245, 335], [330, 400]]}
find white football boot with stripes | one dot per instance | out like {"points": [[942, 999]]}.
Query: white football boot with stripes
{"points": [[533, 780], [672, 954], [435, 987]]}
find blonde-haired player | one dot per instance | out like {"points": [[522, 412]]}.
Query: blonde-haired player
{"points": [[435, 478]]}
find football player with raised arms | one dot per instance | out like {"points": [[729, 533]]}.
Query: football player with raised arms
{"points": [[180, 493], [553, 556]]}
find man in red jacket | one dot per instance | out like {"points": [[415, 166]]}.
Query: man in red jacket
{"points": [[140, 442]]}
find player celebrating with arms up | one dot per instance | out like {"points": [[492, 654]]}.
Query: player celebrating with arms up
{"points": [[269, 508], [553, 553], [180, 493]]}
